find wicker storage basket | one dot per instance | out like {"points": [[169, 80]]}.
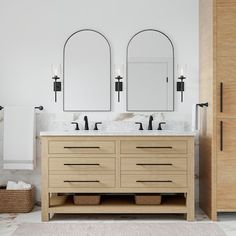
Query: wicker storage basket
{"points": [[148, 199], [87, 199], [16, 201]]}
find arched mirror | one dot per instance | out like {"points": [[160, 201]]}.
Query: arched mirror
{"points": [[87, 72], [150, 72]]}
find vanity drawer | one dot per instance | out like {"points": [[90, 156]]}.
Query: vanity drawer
{"points": [[154, 181], [81, 147], [153, 146], [82, 164], [153, 164], [81, 181]]}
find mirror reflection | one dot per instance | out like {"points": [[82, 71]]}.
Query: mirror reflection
{"points": [[150, 72]]}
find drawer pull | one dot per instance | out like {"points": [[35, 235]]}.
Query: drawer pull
{"points": [[154, 181], [81, 181], [166, 147], [80, 147], [153, 164], [81, 164]]}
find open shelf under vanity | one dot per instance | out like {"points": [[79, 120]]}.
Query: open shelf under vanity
{"points": [[121, 204]]}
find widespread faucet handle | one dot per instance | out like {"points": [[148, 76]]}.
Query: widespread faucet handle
{"points": [[76, 125], [160, 125], [140, 125], [96, 125]]}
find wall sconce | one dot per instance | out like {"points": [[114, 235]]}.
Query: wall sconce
{"points": [[118, 84], [180, 85], [56, 77]]}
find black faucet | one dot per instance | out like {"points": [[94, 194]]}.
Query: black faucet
{"points": [[150, 123], [86, 126], [76, 125]]}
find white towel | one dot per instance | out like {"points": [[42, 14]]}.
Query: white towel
{"points": [[195, 117], [11, 185], [19, 138]]}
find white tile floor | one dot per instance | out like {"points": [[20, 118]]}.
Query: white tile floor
{"points": [[9, 222]]}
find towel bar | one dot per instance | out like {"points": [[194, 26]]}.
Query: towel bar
{"points": [[40, 108]]}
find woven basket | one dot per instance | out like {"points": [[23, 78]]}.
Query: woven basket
{"points": [[87, 199], [16, 201], [148, 199]]}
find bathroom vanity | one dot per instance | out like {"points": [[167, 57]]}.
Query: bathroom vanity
{"points": [[118, 163]]}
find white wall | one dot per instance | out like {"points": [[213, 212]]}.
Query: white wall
{"points": [[33, 33]]}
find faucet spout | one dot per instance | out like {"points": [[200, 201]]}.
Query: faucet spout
{"points": [[150, 123], [86, 126]]}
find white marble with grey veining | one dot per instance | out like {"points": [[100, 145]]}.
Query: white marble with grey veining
{"points": [[119, 133]]}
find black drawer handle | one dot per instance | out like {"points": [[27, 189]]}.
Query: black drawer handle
{"points": [[80, 147], [80, 164], [81, 181], [166, 147], [153, 164], [154, 181]]}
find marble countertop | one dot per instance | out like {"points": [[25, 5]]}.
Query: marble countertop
{"points": [[117, 133]]}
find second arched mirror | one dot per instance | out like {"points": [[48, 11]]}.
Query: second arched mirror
{"points": [[150, 72]]}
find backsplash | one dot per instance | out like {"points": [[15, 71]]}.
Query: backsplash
{"points": [[62, 122]]}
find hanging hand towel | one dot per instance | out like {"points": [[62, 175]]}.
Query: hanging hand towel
{"points": [[19, 139], [195, 118]]}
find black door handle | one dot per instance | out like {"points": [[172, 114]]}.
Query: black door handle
{"points": [[221, 136]]}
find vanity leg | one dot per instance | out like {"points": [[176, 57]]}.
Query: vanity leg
{"points": [[190, 207], [45, 216]]}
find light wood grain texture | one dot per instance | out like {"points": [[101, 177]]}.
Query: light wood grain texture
{"points": [[68, 181], [75, 165], [80, 146], [154, 181], [155, 146], [153, 164], [226, 74], [112, 179], [226, 30], [122, 205], [44, 172], [207, 160], [226, 184]]}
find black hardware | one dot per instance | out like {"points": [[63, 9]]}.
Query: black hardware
{"points": [[119, 86], [56, 86], [127, 67], [180, 86], [203, 104], [96, 125], [76, 125], [150, 123], [81, 181], [140, 125], [167, 147], [221, 97], [86, 126], [40, 108], [221, 136], [64, 67], [81, 147], [69, 164], [154, 181], [153, 164], [160, 125]]}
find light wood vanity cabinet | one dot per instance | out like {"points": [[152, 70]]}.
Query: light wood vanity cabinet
{"points": [[218, 121], [118, 165]]}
